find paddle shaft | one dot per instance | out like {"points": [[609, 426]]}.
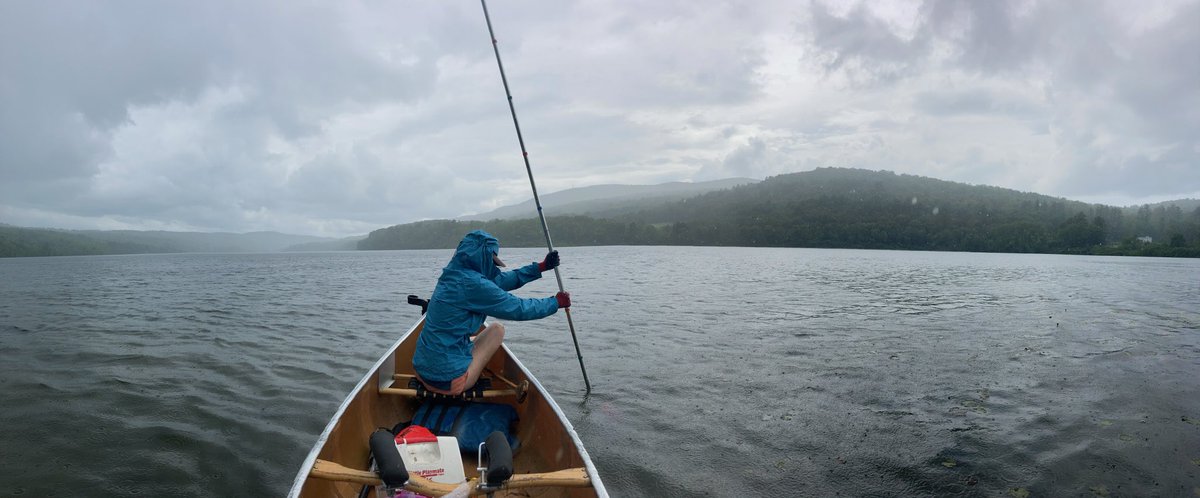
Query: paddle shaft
{"points": [[536, 200]]}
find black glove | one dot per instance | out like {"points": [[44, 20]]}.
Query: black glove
{"points": [[550, 263]]}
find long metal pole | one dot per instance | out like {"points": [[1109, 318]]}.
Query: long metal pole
{"points": [[537, 201]]}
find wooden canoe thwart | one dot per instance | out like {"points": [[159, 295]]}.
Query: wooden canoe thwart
{"points": [[574, 478], [550, 460]]}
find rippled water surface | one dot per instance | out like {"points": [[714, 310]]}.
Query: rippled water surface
{"points": [[715, 371]]}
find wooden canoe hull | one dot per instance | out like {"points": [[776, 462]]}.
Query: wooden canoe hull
{"points": [[548, 441]]}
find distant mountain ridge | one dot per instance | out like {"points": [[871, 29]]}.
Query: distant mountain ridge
{"points": [[607, 201], [826, 207], [1184, 205], [848, 208], [20, 241], [206, 241]]}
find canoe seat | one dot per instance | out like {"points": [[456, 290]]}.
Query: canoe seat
{"points": [[482, 389], [476, 391]]}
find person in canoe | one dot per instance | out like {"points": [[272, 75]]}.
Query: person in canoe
{"points": [[454, 347]]}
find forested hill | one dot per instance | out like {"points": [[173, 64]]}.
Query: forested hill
{"points": [[609, 200], [850, 208], [19, 241]]}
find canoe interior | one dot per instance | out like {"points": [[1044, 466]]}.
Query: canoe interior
{"points": [[545, 444]]}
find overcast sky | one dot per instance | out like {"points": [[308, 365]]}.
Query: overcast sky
{"points": [[338, 118]]}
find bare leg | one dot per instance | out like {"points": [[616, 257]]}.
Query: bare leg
{"points": [[486, 344]]}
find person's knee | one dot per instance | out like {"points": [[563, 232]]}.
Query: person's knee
{"points": [[498, 330]]}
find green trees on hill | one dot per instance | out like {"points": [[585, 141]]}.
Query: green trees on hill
{"points": [[829, 207], [567, 230], [841, 208], [1078, 233], [18, 242]]}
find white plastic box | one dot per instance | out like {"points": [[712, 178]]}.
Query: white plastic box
{"points": [[439, 462]]}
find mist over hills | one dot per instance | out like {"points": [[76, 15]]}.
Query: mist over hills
{"points": [[826, 207], [342, 244], [19, 241], [848, 208], [204, 241], [608, 201], [1184, 205], [600, 199]]}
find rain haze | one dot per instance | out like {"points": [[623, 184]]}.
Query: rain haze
{"points": [[338, 118]]}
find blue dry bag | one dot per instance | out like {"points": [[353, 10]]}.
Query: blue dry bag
{"points": [[471, 423]]}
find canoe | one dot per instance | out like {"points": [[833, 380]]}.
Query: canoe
{"points": [[550, 460]]}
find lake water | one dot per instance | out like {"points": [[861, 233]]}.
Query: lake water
{"points": [[715, 371]]}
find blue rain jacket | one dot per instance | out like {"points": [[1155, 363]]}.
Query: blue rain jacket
{"points": [[470, 289]]}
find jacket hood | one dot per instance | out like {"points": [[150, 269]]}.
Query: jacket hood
{"points": [[475, 252]]}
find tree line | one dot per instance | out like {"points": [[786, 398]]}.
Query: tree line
{"points": [[827, 207], [21, 241], [24, 242], [848, 208]]}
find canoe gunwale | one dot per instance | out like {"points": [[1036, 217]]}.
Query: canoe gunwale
{"points": [[372, 375], [311, 459], [594, 475]]}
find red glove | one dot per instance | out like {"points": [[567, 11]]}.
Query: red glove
{"points": [[564, 299]]}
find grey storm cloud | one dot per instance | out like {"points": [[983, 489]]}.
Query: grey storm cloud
{"points": [[1121, 91], [975, 101], [76, 74], [338, 118], [863, 40]]}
